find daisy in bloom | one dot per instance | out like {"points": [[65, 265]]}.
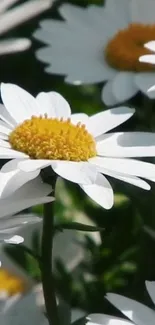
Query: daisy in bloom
{"points": [[40, 132], [101, 43], [11, 18], [32, 193], [133, 310]]}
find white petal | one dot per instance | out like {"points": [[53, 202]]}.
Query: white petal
{"points": [[33, 164], [133, 180], [77, 172], [142, 11], [6, 117], [54, 105], [31, 189], [67, 249], [119, 10], [16, 239], [74, 14], [126, 166], [150, 45], [101, 192], [18, 205], [78, 68], [14, 45], [11, 165], [11, 181], [127, 144], [144, 81], [124, 86], [107, 94], [3, 136], [79, 117], [5, 4], [148, 58], [4, 144], [151, 89], [19, 103], [10, 153], [107, 120], [4, 128], [32, 193], [18, 221], [22, 13], [150, 285], [103, 319], [135, 311]]}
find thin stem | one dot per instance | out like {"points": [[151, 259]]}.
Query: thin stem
{"points": [[46, 265]]}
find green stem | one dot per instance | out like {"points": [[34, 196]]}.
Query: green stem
{"points": [[46, 265]]}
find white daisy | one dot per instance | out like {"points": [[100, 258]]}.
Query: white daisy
{"points": [[101, 43], [11, 18], [40, 132], [133, 310], [32, 193]]}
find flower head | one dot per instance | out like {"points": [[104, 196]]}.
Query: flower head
{"points": [[40, 132], [10, 18], [101, 43]]}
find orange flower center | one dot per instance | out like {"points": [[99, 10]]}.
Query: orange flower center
{"points": [[125, 48], [51, 138]]}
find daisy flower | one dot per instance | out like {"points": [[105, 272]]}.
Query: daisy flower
{"points": [[133, 310], [40, 132], [101, 43], [32, 193], [11, 18]]}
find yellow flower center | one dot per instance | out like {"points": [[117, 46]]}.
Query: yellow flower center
{"points": [[50, 138], [10, 283], [125, 48]]}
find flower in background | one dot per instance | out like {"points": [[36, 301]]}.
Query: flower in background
{"points": [[40, 132], [101, 43], [133, 310], [22, 310], [11, 18], [32, 193], [17, 294]]}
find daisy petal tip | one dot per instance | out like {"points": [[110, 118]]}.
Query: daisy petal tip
{"points": [[150, 45], [151, 89]]}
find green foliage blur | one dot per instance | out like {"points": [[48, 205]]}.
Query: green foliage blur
{"points": [[125, 257]]}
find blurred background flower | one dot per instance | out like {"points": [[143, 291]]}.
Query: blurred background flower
{"points": [[101, 43], [12, 16]]}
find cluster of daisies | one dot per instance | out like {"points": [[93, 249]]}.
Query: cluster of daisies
{"points": [[40, 132]]}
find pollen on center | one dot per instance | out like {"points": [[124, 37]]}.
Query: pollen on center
{"points": [[10, 284], [125, 48], [51, 138]]}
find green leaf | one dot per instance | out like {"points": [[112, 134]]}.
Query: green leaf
{"points": [[78, 226]]}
